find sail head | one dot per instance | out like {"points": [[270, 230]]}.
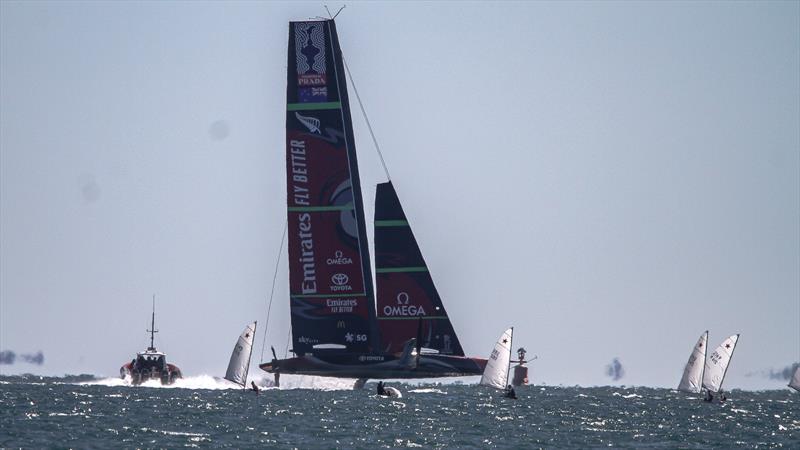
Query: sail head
{"points": [[692, 380], [717, 364], [331, 293], [240, 357], [495, 373], [405, 290]]}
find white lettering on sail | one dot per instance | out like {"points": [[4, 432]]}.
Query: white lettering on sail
{"points": [[339, 259], [297, 160], [340, 281], [309, 284], [342, 305], [403, 310]]}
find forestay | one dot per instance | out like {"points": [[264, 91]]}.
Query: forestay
{"points": [[717, 364], [692, 380], [496, 372], [240, 358]]}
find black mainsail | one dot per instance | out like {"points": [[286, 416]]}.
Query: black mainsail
{"points": [[332, 300], [406, 293]]}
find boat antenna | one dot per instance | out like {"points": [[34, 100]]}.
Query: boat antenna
{"points": [[152, 329], [366, 119], [272, 292], [337, 12]]}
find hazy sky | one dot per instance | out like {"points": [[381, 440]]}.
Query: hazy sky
{"points": [[610, 178]]}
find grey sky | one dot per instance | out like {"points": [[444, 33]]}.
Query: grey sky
{"points": [[610, 178]]}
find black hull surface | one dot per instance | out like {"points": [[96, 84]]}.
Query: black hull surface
{"points": [[376, 366]]}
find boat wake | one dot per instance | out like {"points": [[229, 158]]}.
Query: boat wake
{"points": [[214, 383], [197, 382]]}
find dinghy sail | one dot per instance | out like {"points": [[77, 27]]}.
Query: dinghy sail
{"points": [[406, 292], [496, 372], [717, 364], [692, 380], [335, 331], [239, 364], [795, 381]]}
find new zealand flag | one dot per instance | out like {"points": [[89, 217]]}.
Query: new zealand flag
{"points": [[312, 94]]}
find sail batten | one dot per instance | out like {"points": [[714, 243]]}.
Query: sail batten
{"points": [[405, 290], [331, 293]]}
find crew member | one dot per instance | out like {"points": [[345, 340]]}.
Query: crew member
{"points": [[510, 393]]}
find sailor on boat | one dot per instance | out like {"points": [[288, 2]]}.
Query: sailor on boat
{"points": [[510, 393], [381, 390], [254, 387]]}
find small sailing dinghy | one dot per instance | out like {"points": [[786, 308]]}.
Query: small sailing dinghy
{"points": [[717, 366], [692, 380], [495, 374], [794, 383], [239, 364]]}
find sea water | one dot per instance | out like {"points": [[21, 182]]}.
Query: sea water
{"points": [[206, 412]]}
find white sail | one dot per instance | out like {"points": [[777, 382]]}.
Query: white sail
{"points": [[496, 372], [717, 364], [795, 382], [692, 380], [240, 358]]}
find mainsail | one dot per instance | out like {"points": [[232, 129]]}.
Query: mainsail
{"points": [[692, 380], [332, 300], [240, 358], [496, 372], [717, 364], [795, 381], [405, 290]]}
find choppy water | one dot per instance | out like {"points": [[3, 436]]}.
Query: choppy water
{"points": [[38, 412]]}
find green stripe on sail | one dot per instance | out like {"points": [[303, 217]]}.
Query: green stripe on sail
{"points": [[313, 106], [391, 223], [414, 318], [401, 269], [360, 294], [346, 207]]}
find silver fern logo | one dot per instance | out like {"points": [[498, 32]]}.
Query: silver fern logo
{"points": [[312, 123]]}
